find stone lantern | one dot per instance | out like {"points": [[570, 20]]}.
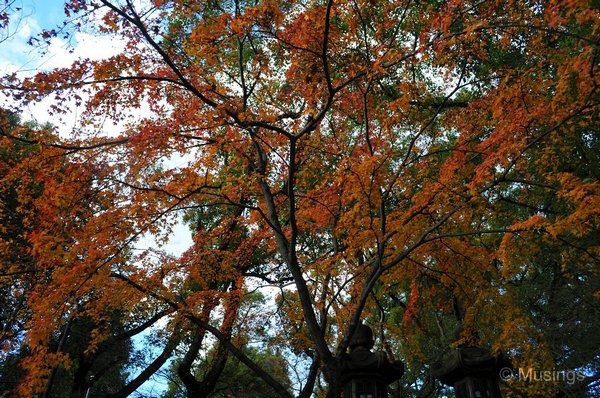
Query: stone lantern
{"points": [[472, 371], [366, 374]]}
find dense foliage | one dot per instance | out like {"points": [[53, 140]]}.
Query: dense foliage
{"points": [[424, 166]]}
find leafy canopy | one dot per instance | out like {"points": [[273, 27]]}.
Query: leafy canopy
{"points": [[418, 164]]}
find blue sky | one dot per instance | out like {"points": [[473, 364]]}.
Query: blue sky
{"points": [[46, 12], [17, 56], [31, 16]]}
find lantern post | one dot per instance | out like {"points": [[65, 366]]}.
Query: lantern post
{"points": [[366, 374], [472, 371]]}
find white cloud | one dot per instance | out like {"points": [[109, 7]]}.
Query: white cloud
{"points": [[88, 46], [17, 55], [61, 54]]}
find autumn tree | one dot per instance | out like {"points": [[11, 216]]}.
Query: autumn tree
{"points": [[23, 186], [362, 158], [15, 279], [217, 374]]}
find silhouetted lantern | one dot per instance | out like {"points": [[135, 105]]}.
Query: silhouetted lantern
{"points": [[472, 371], [367, 374]]}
